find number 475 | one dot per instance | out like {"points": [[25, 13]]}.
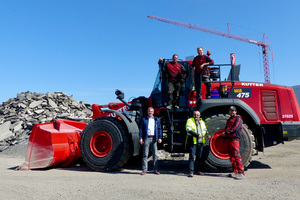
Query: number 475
{"points": [[243, 95]]}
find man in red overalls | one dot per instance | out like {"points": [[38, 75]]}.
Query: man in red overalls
{"points": [[232, 135], [202, 74]]}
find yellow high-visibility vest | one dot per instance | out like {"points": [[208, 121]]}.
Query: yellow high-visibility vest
{"points": [[191, 125]]}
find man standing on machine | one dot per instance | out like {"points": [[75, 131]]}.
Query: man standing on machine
{"points": [[199, 64]]}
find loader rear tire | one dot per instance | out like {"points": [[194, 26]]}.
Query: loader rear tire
{"points": [[105, 144], [215, 154]]}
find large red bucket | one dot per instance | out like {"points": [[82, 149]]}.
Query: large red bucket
{"points": [[53, 144]]}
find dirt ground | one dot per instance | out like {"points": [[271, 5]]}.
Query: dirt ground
{"points": [[275, 175]]}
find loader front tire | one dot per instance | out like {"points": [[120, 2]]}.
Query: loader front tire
{"points": [[215, 153], [105, 144]]}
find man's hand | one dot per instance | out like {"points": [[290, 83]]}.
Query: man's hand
{"points": [[141, 141], [159, 141], [160, 60]]}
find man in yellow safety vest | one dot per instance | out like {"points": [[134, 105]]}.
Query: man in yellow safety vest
{"points": [[196, 133]]}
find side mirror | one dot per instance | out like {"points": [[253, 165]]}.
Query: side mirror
{"points": [[120, 94]]}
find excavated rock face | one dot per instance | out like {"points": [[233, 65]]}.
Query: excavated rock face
{"points": [[18, 115]]}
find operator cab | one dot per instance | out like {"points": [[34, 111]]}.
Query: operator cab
{"points": [[187, 99]]}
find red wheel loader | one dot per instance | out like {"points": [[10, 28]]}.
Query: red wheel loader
{"points": [[270, 114]]}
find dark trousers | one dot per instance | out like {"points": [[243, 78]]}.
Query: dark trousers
{"points": [[173, 93], [235, 157], [195, 150], [198, 83]]}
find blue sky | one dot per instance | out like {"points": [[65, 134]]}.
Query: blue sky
{"points": [[90, 48]]}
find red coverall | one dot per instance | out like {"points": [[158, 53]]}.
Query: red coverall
{"points": [[233, 131]]}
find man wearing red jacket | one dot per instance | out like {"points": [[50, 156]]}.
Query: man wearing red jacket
{"points": [[232, 135], [202, 74], [176, 76]]}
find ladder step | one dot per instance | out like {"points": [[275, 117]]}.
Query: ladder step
{"points": [[178, 144], [179, 120], [178, 132]]}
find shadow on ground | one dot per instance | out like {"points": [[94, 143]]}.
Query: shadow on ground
{"points": [[258, 165], [178, 167]]}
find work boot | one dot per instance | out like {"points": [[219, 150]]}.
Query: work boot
{"points": [[240, 176], [157, 172], [143, 173], [232, 175], [200, 173]]}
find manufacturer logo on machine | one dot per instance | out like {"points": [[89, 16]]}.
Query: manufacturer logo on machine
{"points": [[253, 84], [124, 108]]}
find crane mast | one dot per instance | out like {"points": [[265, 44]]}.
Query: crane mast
{"points": [[265, 47]]}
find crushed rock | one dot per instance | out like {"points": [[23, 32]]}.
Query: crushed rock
{"points": [[18, 116]]}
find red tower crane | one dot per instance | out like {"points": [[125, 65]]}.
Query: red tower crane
{"points": [[265, 47]]}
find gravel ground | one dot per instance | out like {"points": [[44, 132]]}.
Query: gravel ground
{"points": [[275, 175]]}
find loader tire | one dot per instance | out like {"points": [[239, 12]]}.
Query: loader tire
{"points": [[105, 144], [215, 154]]}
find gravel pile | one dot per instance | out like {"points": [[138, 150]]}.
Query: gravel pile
{"points": [[18, 115]]}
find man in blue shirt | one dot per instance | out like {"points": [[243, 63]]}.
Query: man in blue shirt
{"points": [[150, 134]]}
